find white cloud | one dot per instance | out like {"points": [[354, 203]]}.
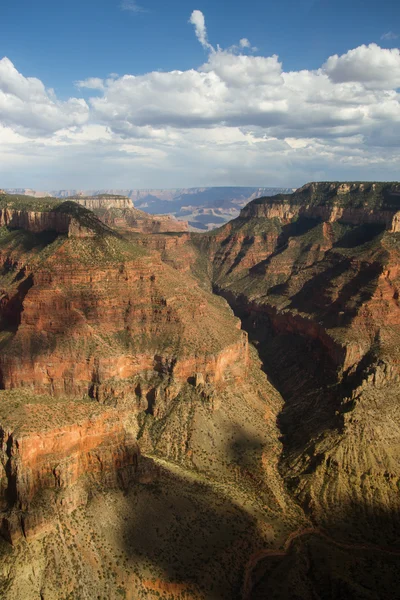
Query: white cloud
{"points": [[197, 19], [91, 83], [242, 70], [132, 6], [243, 46], [237, 119], [29, 107], [371, 65], [389, 36]]}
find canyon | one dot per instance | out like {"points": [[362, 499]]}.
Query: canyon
{"points": [[201, 415], [119, 211], [204, 207]]}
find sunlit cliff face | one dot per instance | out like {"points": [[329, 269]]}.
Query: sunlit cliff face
{"points": [[153, 443]]}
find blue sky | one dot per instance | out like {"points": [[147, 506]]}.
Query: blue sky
{"points": [[61, 43]]}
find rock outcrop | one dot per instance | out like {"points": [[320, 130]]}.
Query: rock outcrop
{"points": [[98, 311], [137, 221], [314, 277], [119, 212], [144, 451], [47, 214], [103, 201], [53, 452], [352, 203]]}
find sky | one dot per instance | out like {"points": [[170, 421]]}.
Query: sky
{"points": [[149, 94]]}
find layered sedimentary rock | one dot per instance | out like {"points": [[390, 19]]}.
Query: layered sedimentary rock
{"points": [[228, 481], [98, 311], [52, 451], [314, 277], [119, 212], [103, 201], [138, 221], [108, 346], [354, 203], [47, 214], [35, 221]]}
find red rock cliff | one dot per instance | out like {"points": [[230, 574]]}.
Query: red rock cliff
{"points": [[58, 448]]}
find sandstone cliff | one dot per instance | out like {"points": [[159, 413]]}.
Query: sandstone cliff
{"points": [[103, 201], [47, 214], [98, 311], [107, 348], [119, 212], [51, 452], [158, 457], [353, 203], [314, 277]]}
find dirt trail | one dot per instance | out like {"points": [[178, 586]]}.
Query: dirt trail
{"points": [[261, 554]]}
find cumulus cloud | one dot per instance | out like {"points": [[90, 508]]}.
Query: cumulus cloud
{"points": [[91, 83], [197, 19], [244, 43], [28, 106], [371, 65], [237, 119]]}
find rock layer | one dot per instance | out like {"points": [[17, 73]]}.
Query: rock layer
{"points": [[353, 203], [230, 468], [314, 277], [74, 329], [48, 447]]}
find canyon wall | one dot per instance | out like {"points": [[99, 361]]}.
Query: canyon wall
{"points": [[53, 452], [119, 212], [348, 203], [143, 447], [98, 311], [35, 222], [103, 201], [137, 221], [314, 277]]}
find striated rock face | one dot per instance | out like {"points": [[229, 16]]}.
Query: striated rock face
{"points": [[46, 214], [98, 311], [136, 221], [103, 201], [108, 332], [314, 277], [105, 349], [39, 215], [237, 481], [353, 203], [56, 449], [35, 221], [119, 212]]}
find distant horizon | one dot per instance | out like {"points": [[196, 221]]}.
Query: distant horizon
{"points": [[144, 189], [196, 187]]}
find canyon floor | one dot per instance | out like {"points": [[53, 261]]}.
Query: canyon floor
{"points": [[201, 416]]}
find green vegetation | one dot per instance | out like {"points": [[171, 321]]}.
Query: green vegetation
{"points": [[22, 202], [217, 456], [24, 411], [368, 195]]}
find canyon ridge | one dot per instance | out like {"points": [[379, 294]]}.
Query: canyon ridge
{"points": [[208, 416]]}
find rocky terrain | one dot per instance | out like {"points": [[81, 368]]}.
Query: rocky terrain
{"points": [[127, 384], [314, 277], [153, 445], [119, 212], [45, 214], [204, 208]]}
